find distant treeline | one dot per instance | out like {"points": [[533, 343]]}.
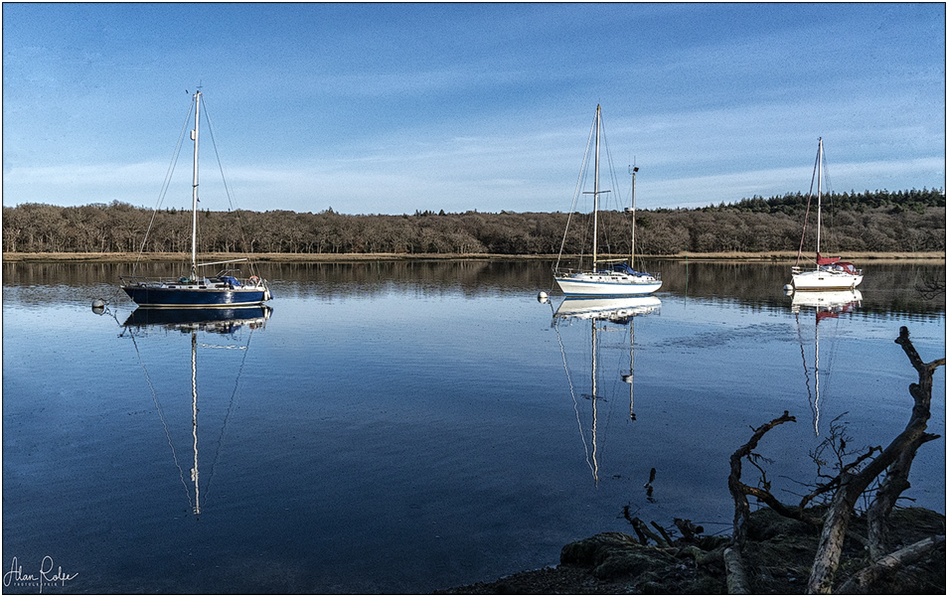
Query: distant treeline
{"points": [[884, 221]]}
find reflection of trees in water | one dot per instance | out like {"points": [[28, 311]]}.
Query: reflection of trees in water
{"points": [[889, 287]]}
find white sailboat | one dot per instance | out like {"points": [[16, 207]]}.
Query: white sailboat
{"points": [[619, 279], [830, 273]]}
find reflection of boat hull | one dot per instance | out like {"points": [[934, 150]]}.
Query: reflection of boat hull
{"points": [[825, 299], [825, 280], [182, 295], [606, 308], [207, 318], [607, 284]]}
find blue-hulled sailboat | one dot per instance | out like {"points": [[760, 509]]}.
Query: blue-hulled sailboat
{"points": [[193, 289]]}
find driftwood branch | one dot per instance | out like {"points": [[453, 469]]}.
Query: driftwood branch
{"points": [[735, 579], [665, 534], [645, 534], [687, 529], [861, 581], [852, 483], [636, 522], [896, 480], [740, 491]]}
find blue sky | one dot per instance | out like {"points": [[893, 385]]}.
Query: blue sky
{"points": [[393, 108]]}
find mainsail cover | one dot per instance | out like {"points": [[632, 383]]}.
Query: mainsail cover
{"points": [[625, 269]]}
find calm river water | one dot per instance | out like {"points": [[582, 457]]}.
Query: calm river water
{"points": [[400, 427]]}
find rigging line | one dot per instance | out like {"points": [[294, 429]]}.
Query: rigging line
{"points": [[830, 187], [227, 415], [620, 357], [807, 375], [573, 395], [828, 194], [576, 192], [807, 210], [164, 187], [608, 399], [161, 416], [830, 359], [232, 204], [614, 183]]}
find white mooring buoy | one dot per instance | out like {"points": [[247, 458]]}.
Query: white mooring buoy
{"points": [[542, 297]]}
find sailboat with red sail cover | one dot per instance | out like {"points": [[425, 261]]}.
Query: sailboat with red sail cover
{"points": [[830, 274]]}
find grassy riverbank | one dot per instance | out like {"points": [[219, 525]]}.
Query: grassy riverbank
{"points": [[776, 256]]}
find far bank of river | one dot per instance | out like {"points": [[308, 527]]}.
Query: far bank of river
{"points": [[771, 256]]}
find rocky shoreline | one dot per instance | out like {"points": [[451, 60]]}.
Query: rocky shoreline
{"points": [[778, 557]]}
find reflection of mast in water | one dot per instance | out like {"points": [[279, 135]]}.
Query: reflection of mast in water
{"points": [[619, 311], [194, 417], [596, 467], [628, 378], [218, 321], [827, 304]]}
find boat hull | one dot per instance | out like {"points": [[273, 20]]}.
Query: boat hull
{"points": [[607, 285], [825, 280], [165, 296]]}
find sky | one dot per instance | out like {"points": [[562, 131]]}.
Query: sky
{"points": [[395, 108]]}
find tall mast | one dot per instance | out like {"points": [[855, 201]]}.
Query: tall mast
{"points": [[596, 182], [820, 161], [194, 191], [632, 241]]}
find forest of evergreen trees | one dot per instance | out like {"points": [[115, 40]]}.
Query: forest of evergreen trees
{"points": [[883, 221]]}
